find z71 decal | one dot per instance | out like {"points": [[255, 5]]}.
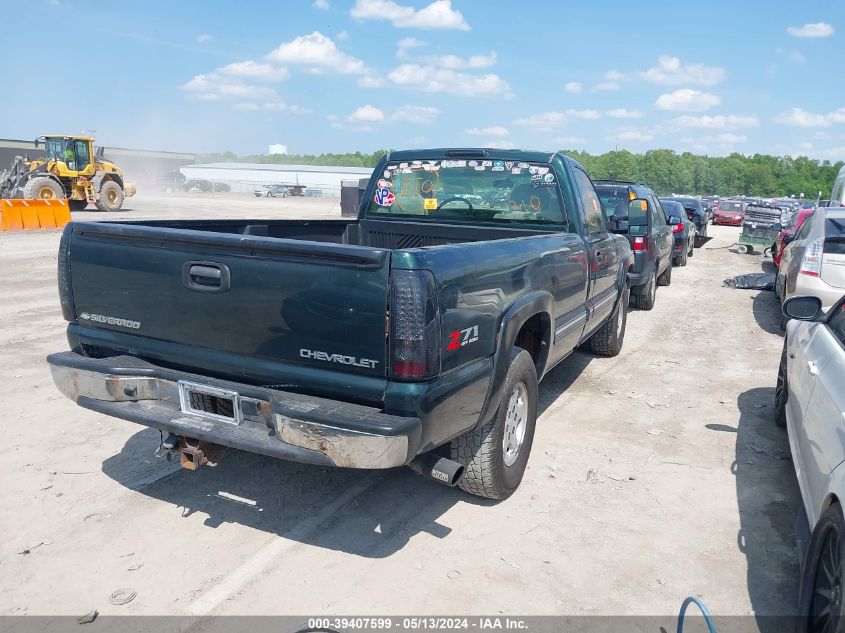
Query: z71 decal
{"points": [[459, 338]]}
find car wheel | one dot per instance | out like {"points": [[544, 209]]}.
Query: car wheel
{"points": [[691, 247], [495, 455], [666, 278], [646, 298], [781, 391], [607, 341], [821, 604]]}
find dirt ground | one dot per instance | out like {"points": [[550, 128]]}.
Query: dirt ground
{"points": [[654, 475]]}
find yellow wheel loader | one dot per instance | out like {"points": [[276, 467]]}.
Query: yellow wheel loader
{"points": [[71, 170]]}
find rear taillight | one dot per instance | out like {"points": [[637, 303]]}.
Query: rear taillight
{"points": [[640, 243], [65, 290], [414, 326], [811, 265], [677, 228]]}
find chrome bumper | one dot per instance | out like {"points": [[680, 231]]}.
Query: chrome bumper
{"points": [[277, 423]]}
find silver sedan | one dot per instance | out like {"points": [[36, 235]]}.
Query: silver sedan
{"points": [[810, 402]]}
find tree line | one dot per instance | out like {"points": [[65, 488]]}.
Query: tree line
{"points": [[664, 170]]}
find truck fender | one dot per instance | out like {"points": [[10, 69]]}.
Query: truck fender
{"points": [[102, 176], [529, 305]]}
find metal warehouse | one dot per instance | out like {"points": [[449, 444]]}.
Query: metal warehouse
{"points": [[244, 177]]}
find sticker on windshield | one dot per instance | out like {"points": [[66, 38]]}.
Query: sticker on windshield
{"points": [[472, 163], [487, 163], [384, 198], [386, 173], [384, 184], [533, 169], [516, 171], [549, 178], [430, 204]]}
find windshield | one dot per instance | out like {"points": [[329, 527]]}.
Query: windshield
{"points": [[494, 191], [614, 200], [730, 206]]}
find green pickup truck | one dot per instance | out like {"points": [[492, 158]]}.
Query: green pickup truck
{"points": [[412, 336]]}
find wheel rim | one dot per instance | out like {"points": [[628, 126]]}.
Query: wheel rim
{"points": [[827, 586], [111, 196], [46, 193], [516, 421]]}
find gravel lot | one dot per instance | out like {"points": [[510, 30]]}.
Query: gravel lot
{"points": [[654, 475]]}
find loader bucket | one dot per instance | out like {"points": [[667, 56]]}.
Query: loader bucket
{"points": [[17, 215]]}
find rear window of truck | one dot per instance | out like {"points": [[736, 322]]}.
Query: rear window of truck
{"points": [[469, 191]]}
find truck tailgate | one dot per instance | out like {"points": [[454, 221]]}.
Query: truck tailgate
{"points": [[314, 304]]}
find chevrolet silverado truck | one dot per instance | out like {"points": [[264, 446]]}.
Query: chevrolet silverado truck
{"points": [[414, 335]]}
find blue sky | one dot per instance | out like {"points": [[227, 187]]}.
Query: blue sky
{"points": [[346, 75]]}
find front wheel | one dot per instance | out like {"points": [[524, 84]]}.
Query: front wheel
{"points": [[495, 455], [821, 602], [111, 196], [781, 391]]}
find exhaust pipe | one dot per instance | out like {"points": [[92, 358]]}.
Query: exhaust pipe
{"points": [[441, 469]]}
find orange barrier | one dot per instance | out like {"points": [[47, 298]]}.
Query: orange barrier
{"points": [[26, 215]]}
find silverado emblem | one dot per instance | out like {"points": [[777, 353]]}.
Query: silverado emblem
{"points": [[109, 320]]}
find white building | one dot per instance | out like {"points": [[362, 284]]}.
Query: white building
{"points": [[244, 177]]}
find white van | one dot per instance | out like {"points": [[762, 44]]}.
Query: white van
{"points": [[837, 196]]}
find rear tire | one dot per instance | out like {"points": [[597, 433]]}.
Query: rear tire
{"points": [[43, 188], [77, 205], [491, 470], [607, 340], [681, 260], [645, 301], [781, 391], [666, 278], [111, 196], [821, 605]]}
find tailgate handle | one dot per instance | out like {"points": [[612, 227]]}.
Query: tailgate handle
{"points": [[206, 276]]}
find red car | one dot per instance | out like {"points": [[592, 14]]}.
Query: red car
{"points": [[730, 212], [788, 232]]}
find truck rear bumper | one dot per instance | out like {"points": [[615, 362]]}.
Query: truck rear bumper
{"points": [[277, 423]]}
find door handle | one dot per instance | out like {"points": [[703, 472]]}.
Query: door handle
{"points": [[813, 368], [598, 256], [206, 276]]}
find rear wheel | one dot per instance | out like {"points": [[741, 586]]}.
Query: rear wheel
{"points": [[607, 341], [821, 603], [666, 278], [645, 300], [681, 260], [43, 188], [111, 196], [781, 391], [77, 205], [495, 455]]}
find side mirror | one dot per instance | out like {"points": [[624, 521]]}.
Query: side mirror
{"points": [[777, 226], [619, 226], [674, 219], [802, 308]]}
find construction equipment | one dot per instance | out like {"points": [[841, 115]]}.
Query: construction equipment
{"points": [[69, 170]]}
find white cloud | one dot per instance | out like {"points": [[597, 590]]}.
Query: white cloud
{"points": [[499, 144], [687, 100], [622, 113], [213, 87], [543, 122], [793, 56], [631, 135], [342, 36], [574, 87], [496, 130], [613, 75], [424, 115], [670, 70], [590, 115], [811, 29], [269, 106], [255, 70], [323, 5], [202, 38], [370, 81], [725, 139], [433, 79], [717, 122], [569, 140], [406, 44], [801, 118], [367, 113], [319, 53], [606, 86], [437, 15], [457, 63]]}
